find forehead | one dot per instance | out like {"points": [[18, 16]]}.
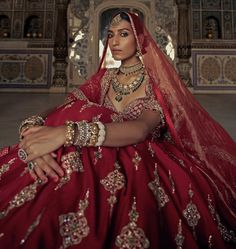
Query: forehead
{"points": [[123, 24]]}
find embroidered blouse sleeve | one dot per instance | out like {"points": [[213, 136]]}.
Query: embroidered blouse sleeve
{"points": [[152, 104]]}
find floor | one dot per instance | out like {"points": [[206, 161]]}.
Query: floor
{"points": [[15, 107]]}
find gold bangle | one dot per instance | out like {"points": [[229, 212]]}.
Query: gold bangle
{"points": [[70, 133]]}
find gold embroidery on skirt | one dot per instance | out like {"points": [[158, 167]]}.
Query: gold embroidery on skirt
{"points": [[191, 213], [131, 236], [210, 244], [179, 239], [171, 182], [71, 162], [25, 195], [32, 227], [136, 160], [74, 226], [113, 182], [159, 193], [97, 155], [6, 167], [227, 235]]}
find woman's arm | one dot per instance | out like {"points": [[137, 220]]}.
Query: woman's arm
{"points": [[131, 132]]}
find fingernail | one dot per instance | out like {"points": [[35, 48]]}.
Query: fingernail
{"points": [[45, 180], [55, 178]]}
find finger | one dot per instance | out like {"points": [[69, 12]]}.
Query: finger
{"points": [[54, 165], [47, 169], [53, 154], [31, 130], [33, 175], [39, 172]]}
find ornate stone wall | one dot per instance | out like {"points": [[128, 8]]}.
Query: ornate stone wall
{"points": [[213, 44], [214, 70], [26, 43], [25, 68]]}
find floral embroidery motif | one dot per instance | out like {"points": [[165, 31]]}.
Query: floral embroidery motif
{"points": [[136, 160], [227, 235], [74, 226], [97, 155], [191, 213], [6, 167], [25, 195], [31, 228], [179, 239], [159, 193], [131, 236], [113, 182], [71, 162]]}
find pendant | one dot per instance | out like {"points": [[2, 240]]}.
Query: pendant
{"points": [[118, 98]]}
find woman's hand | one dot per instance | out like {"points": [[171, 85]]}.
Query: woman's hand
{"points": [[46, 166], [40, 141]]}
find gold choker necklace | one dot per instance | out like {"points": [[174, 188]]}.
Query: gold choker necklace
{"points": [[131, 69], [122, 90]]}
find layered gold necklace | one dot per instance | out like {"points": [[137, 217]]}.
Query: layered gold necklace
{"points": [[122, 90], [128, 70]]}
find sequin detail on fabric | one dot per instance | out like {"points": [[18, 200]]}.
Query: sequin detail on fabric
{"points": [[191, 213], [113, 182], [26, 194], [31, 228], [227, 235], [132, 236], [159, 193], [71, 162], [5, 167], [179, 239], [74, 226]]}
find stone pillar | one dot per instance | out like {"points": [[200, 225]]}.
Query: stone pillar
{"points": [[184, 43], [60, 46]]}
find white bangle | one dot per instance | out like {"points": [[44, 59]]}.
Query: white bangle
{"points": [[101, 133]]}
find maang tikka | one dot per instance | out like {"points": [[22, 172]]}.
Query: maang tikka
{"points": [[116, 20]]}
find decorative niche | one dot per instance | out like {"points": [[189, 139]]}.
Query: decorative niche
{"points": [[5, 26], [213, 19], [33, 27]]}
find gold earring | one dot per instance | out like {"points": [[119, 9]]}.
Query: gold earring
{"points": [[138, 53]]}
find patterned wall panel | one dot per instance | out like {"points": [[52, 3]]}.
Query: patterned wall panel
{"points": [[214, 70], [25, 68]]}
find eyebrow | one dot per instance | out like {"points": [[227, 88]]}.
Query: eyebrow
{"points": [[120, 29]]}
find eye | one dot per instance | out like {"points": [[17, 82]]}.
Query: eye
{"points": [[109, 35], [124, 34]]}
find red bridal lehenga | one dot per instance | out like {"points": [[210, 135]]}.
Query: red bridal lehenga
{"points": [[177, 189]]}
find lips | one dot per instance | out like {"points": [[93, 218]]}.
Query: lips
{"points": [[116, 50]]}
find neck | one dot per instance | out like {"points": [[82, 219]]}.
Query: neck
{"points": [[130, 62]]}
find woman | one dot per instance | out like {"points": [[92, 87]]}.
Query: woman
{"points": [[129, 161]]}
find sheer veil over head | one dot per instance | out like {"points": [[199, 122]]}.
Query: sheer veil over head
{"points": [[193, 131]]}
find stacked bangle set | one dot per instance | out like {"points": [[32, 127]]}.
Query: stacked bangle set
{"points": [[83, 133]]}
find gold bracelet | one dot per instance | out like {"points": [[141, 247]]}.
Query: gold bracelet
{"points": [[31, 121], [93, 134], [70, 133]]}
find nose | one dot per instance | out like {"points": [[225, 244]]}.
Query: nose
{"points": [[115, 40]]}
